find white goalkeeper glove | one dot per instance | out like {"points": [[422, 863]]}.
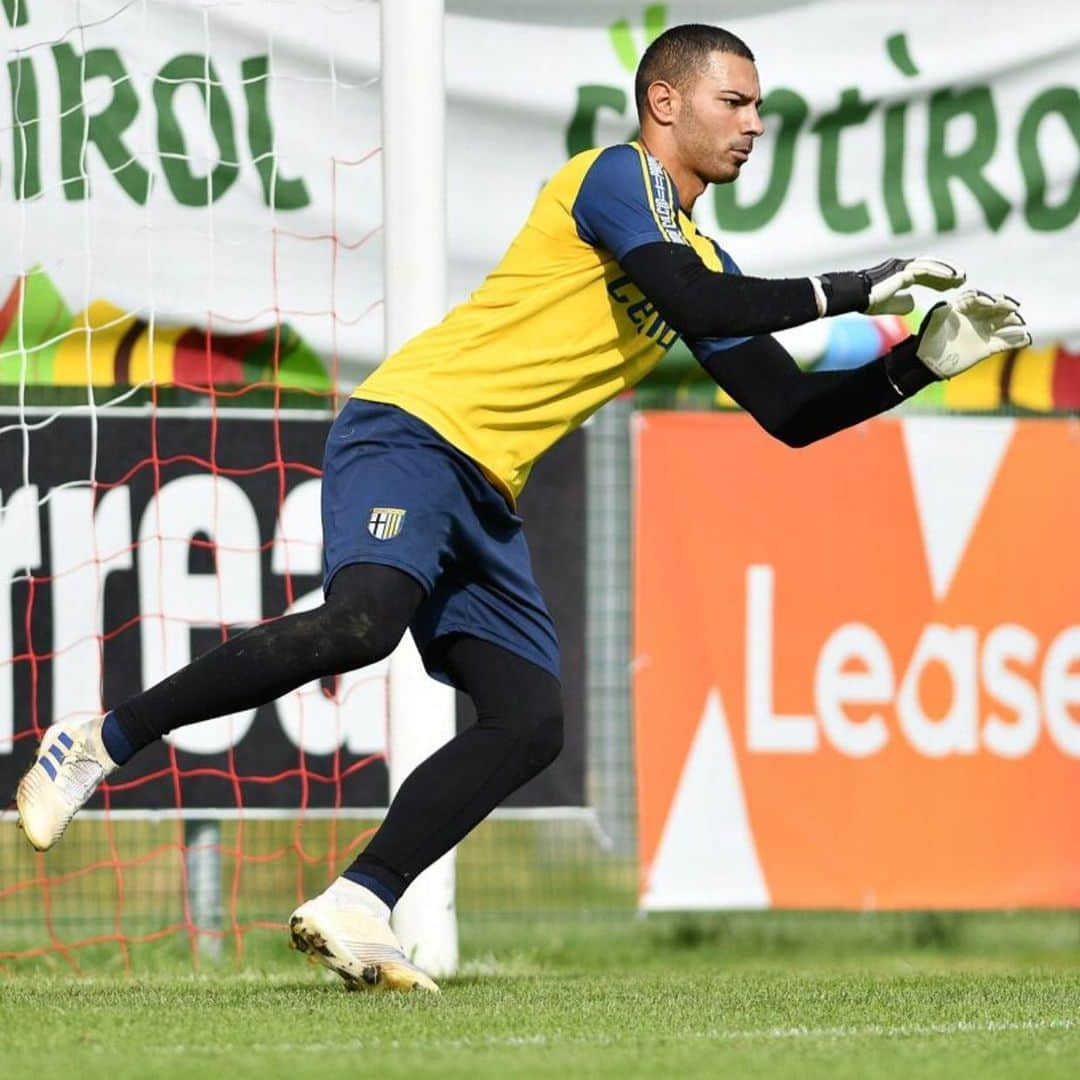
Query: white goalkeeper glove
{"points": [[889, 279], [880, 290], [956, 334]]}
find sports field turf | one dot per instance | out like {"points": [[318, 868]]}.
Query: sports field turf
{"points": [[770, 994]]}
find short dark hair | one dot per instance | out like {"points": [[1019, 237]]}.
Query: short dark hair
{"points": [[682, 52]]}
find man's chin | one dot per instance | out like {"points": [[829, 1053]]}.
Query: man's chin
{"points": [[726, 173]]}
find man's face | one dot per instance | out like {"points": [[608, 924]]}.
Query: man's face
{"points": [[718, 118]]}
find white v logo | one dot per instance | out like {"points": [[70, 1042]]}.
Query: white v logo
{"points": [[953, 463]]}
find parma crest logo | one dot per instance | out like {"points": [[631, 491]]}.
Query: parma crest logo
{"points": [[385, 522]]}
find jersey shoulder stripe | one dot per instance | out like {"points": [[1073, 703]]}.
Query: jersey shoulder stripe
{"points": [[662, 199]]}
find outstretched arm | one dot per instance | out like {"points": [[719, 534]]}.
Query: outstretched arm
{"points": [[699, 302], [626, 204], [800, 407]]}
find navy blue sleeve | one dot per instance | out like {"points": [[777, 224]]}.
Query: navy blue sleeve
{"points": [[702, 348], [618, 209]]}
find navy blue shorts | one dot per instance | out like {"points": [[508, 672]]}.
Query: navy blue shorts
{"points": [[395, 492]]}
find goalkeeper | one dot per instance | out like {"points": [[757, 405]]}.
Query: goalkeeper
{"points": [[425, 463]]}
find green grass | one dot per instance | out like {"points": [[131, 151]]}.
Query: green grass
{"points": [[769, 994]]}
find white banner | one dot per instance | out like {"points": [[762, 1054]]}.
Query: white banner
{"points": [[893, 129]]}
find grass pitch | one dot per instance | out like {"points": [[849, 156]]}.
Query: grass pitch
{"points": [[769, 994]]}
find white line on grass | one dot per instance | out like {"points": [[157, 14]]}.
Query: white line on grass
{"points": [[880, 1031]]}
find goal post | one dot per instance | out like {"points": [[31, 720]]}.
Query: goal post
{"points": [[422, 711]]}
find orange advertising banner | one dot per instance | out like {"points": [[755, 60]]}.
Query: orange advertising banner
{"points": [[857, 665]]}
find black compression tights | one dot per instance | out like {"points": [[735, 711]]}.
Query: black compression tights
{"points": [[365, 615], [518, 731], [519, 710]]}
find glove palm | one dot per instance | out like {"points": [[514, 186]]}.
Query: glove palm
{"points": [[958, 333]]}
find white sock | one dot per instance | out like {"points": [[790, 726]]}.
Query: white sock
{"points": [[350, 894]]}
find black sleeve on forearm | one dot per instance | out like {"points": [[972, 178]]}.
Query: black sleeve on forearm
{"points": [[798, 407], [699, 302]]}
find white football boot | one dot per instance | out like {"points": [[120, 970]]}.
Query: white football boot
{"points": [[71, 763], [356, 944]]}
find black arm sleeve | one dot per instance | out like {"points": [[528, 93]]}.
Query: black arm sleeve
{"points": [[798, 407], [699, 302]]}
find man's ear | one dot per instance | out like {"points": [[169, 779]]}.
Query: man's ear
{"points": [[663, 102]]}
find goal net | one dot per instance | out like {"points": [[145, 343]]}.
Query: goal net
{"points": [[192, 278], [192, 275]]}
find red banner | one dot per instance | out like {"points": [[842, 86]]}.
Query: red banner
{"points": [[857, 666]]}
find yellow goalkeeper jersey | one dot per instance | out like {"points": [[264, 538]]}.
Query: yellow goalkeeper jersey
{"points": [[557, 328]]}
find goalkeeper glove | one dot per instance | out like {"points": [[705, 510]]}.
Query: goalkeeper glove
{"points": [[956, 334], [880, 290]]}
